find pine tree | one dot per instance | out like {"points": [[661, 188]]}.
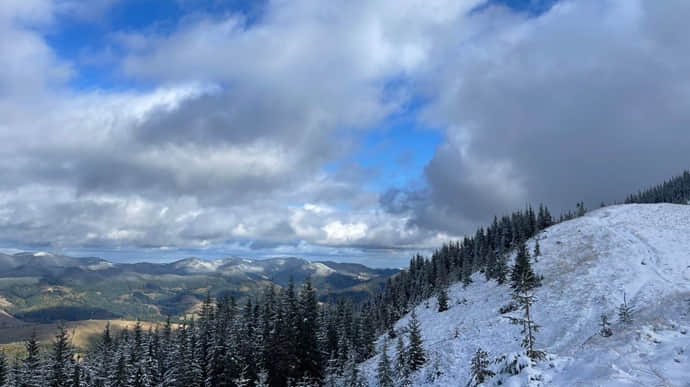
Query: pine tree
{"points": [[351, 377], [443, 299], [479, 368], [77, 380], [501, 269], [4, 369], [62, 359], [402, 365], [491, 264], [31, 371], [16, 377], [308, 353], [384, 374], [415, 353], [525, 299], [625, 312], [522, 274], [537, 250], [605, 326], [120, 375]]}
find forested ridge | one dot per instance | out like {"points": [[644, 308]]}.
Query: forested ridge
{"points": [[675, 190], [285, 337]]}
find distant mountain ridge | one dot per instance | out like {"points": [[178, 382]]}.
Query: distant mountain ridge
{"points": [[40, 284]]}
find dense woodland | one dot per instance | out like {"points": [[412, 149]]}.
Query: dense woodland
{"points": [[675, 190], [285, 337]]}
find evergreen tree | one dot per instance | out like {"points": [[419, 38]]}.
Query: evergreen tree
{"points": [[31, 372], [501, 269], [625, 312], [308, 352], [16, 377], [522, 274], [605, 326], [384, 374], [443, 299], [402, 365], [415, 353], [62, 358], [351, 377], [479, 368], [120, 375], [77, 380], [4, 369], [525, 300], [491, 264], [537, 249]]}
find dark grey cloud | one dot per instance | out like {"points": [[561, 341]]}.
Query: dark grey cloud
{"points": [[587, 102]]}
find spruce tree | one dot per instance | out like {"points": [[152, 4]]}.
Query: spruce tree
{"points": [[625, 312], [32, 370], [351, 377], [605, 326], [443, 299], [77, 380], [415, 353], [525, 299], [501, 272], [308, 353], [384, 374], [479, 368], [537, 250], [120, 375], [402, 365], [491, 264], [4, 369], [61, 361], [522, 276]]}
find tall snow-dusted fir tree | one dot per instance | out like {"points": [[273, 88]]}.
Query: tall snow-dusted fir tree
{"points": [[61, 363], [522, 277], [525, 299], [384, 374], [32, 369], [415, 353]]}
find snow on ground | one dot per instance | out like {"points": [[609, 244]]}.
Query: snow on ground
{"points": [[320, 270], [588, 264]]}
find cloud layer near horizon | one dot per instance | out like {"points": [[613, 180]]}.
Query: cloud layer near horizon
{"points": [[233, 146]]}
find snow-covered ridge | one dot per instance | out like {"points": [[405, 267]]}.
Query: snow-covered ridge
{"points": [[588, 264]]}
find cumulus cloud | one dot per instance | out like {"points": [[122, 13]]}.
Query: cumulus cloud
{"points": [[235, 136], [233, 146]]}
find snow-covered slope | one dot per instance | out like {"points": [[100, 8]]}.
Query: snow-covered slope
{"points": [[588, 264]]}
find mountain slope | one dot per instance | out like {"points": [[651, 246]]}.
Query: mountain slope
{"points": [[588, 264]]}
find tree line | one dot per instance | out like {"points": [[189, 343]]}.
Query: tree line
{"points": [[675, 190]]}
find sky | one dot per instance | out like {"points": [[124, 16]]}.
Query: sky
{"points": [[361, 131]]}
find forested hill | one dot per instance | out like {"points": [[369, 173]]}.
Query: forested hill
{"points": [[675, 190], [613, 310]]}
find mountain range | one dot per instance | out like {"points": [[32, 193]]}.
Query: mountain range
{"points": [[46, 287]]}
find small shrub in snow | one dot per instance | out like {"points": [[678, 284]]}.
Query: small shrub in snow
{"points": [[513, 363], [605, 326], [625, 312], [479, 368], [509, 307]]}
